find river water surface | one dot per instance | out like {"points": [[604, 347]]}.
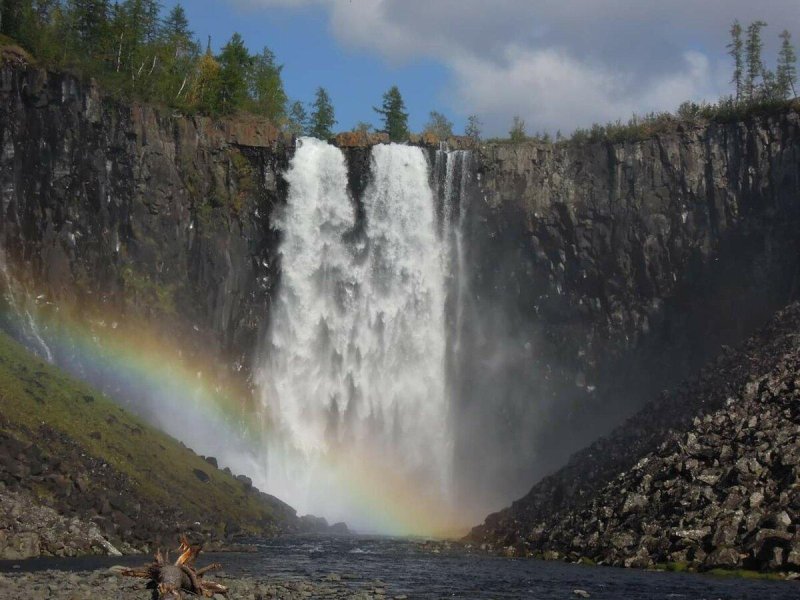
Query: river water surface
{"points": [[409, 568]]}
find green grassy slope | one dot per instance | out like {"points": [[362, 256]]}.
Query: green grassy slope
{"points": [[110, 453]]}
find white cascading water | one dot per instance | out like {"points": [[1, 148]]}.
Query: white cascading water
{"points": [[354, 381], [21, 321], [451, 174]]}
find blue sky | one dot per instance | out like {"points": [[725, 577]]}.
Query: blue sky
{"points": [[558, 64], [302, 42]]}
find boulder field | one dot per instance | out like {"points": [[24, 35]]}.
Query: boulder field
{"points": [[705, 477]]}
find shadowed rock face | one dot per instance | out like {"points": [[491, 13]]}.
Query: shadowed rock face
{"points": [[129, 207], [604, 273]]}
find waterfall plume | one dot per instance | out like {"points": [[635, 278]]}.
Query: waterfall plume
{"points": [[355, 373]]}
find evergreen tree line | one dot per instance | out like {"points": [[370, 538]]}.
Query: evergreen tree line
{"points": [[136, 51], [317, 119], [756, 89], [753, 81]]}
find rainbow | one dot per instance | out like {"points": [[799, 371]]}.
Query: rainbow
{"points": [[186, 393]]}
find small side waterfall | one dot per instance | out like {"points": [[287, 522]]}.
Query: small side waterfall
{"points": [[19, 320], [355, 381], [451, 180]]}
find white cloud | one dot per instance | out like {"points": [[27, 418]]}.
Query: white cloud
{"points": [[552, 90], [558, 63]]}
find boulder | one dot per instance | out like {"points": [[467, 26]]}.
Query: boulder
{"points": [[723, 558], [725, 534], [339, 528], [640, 560], [201, 475]]}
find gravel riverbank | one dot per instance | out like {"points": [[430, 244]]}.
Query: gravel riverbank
{"points": [[108, 585]]}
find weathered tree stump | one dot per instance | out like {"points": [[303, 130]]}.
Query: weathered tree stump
{"points": [[171, 581]]}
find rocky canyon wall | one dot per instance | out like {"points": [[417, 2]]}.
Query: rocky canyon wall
{"points": [[126, 209], [604, 273]]}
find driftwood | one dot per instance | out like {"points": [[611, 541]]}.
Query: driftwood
{"points": [[171, 581]]}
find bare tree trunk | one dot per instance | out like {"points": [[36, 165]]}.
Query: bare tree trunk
{"points": [[119, 51], [180, 91]]}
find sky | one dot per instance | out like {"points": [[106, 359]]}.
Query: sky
{"points": [[558, 64]]}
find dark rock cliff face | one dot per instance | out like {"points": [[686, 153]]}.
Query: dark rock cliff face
{"points": [[616, 271], [131, 210], [605, 273]]}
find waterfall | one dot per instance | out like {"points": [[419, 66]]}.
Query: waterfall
{"points": [[19, 320], [451, 171], [355, 374]]}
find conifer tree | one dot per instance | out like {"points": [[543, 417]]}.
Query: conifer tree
{"points": [[179, 55], [517, 131], [11, 17], [176, 26], [787, 67], [322, 117], [40, 30], [89, 20], [755, 66], [395, 118], [44, 10], [142, 18], [235, 63], [735, 50], [297, 122], [20, 20], [269, 97], [769, 86], [151, 9]]}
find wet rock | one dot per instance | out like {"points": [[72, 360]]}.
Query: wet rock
{"points": [[339, 528], [725, 534], [622, 540], [634, 503], [201, 475], [310, 523], [640, 560], [723, 558], [123, 521]]}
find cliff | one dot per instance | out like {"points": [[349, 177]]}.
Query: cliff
{"points": [[129, 210], [605, 273]]}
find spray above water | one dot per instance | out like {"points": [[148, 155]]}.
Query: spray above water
{"points": [[355, 376]]}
